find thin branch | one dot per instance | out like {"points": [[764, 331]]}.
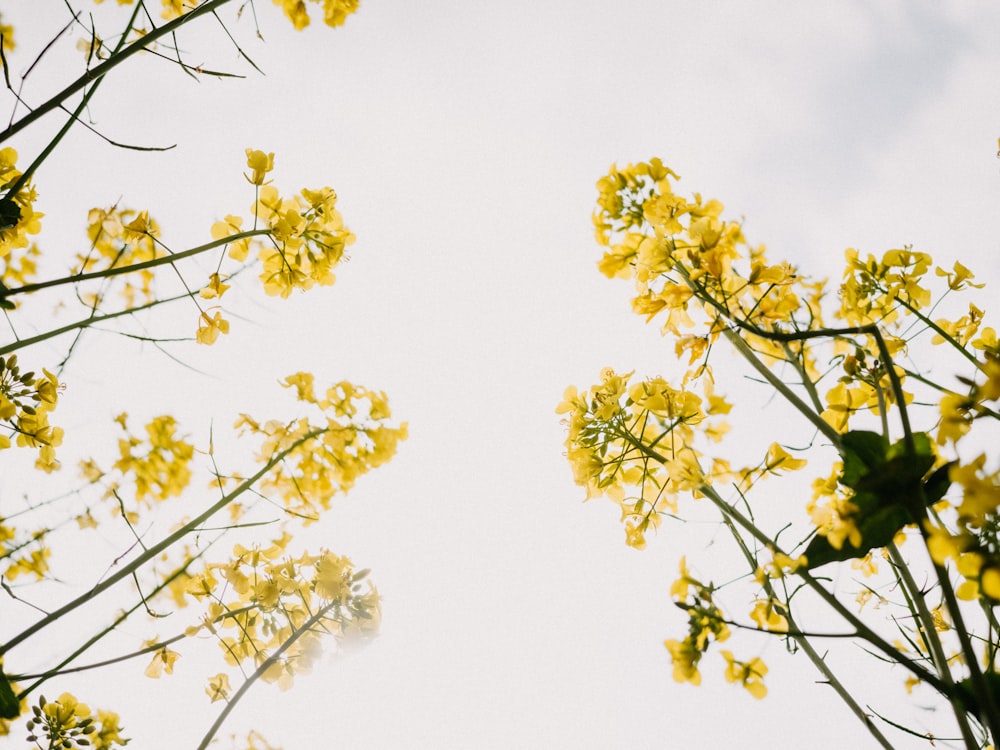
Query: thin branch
{"points": [[104, 68]]}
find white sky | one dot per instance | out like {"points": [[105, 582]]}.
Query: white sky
{"points": [[464, 139]]}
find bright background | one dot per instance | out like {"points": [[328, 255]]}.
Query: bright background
{"points": [[464, 139]]}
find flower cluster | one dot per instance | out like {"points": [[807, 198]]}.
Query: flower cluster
{"points": [[120, 237], [26, 400], [328, 456], [67, 723], [23, 553], [270, 610], [643, 444], [18, 220], [335, 12], [305, 240], [157, 467], [634, 443], [686, 260], [705, 624]]}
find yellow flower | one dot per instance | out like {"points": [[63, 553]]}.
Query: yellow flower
{"points": [[332, 579], [980, 491], [685, 656], [779, 459], [959, 277], [750, 674], [335, 12], [867, 565], [215, 288], [7, 31], [138, 228], [163, 661], [679, 589], [302, 382], [232, 225], [108, 731], [835, 521], [956, 417], [765, 613], [296, 12], [209, 328], [970, 565], [218, 687], [943, 545], [63, 723], [989, 583], [987, 340], [260, 164]]}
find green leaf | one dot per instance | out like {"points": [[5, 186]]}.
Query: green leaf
{"points": [[10, 706], [921, 446], [863, 451], [877, 528], [896, 482], [888, 483], [938, 483], [10, 213], [968, 695]]}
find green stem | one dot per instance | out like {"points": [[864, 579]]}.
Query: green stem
{"points": [[803, 642], [117, 58], [85, 323], [807, 383], [151, 552], [259, 672], [930, 637], [109, 272], [74, 117], [864, 632], [751, 357], [58, 668], [982, 689], [941, 332]]}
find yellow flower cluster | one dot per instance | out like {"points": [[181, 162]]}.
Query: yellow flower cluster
{"points": [[20, 562], [120, 237], [832, 511], [18, 220], [270, 610], [158, 466], [67, 723], [637, 444], [171, 8], [893, 292], [335, 12], [327, 457], [26, 400], [972, 540], [306, 240], [705, 624], [309, 239], [693, 270], [872, 289], [633, 443], [684, 259]]}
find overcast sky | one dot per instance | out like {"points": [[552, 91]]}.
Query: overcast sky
{"points": [[464, 139]]}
